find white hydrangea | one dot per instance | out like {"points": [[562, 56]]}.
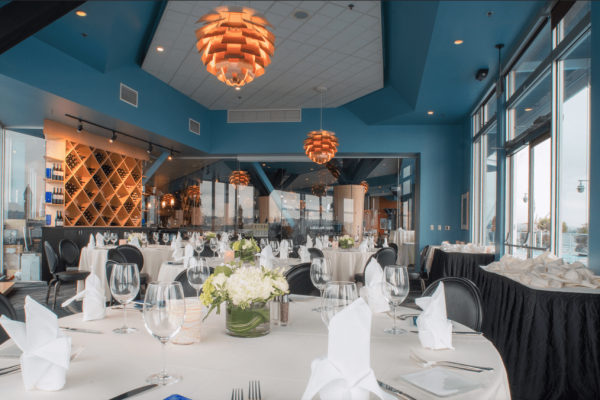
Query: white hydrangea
{"points": [[248, 284]]}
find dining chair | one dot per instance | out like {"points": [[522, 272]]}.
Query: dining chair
{"points": [[134, 255], [315, 253], [415, 275], [385, 256], [395, 247], [59, 275], [69, 254], [207, 252], [8, 311], [298, 278], [463, 301], [109, 267], [188, 290]]}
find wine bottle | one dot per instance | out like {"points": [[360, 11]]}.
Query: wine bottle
{"points": [[60, 196], [53, 177], [56, 220], [54, 196], [58, 173]]}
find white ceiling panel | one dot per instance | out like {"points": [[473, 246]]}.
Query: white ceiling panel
{"points": [[334, 47]]}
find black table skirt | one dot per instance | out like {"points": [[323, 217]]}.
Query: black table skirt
{"points": [[457, 264], [549, 341]]}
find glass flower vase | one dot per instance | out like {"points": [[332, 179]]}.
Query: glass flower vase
{"points": [[252, 321]]}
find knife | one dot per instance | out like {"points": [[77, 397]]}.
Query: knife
{"points": [[134, 392], [461, 333], [79, 330], [393, 390]]}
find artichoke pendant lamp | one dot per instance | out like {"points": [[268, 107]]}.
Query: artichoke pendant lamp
{"points": [[321, 146], [239, 178]]}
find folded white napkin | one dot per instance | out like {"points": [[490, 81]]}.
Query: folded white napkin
{"points": [[283, 250], [92, 242], [385, 243], [94, 301], [304, 254], [372, 292], [309, 242], [362, 247], [267, 257], [318, 244], [344, 374], [189, 254], [99, 240], [135, 242], [177, 252], [46, 349], [435, 331], [223, 246], [179, 236]]}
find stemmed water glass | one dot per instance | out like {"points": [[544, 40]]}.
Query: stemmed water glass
{"points": [[199, 245], [214, 245], [395, 289], [124, 286], [144, 239], [320, 273], [264, 242], [275, 247], [290, 246], [197, 273], [113, 238], [336, 297], [164, 313], [156, 237], [106, 236], [166, 238]]}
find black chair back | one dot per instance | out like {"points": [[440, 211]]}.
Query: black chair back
{"points": [[116, 255], [207, 252], [294, 253], [386, 256], [132, 254], [298, 278], [52, 258], [314, 253], [8, 311], [69, 253], [188, 290], [463, 301], [395, 247]]}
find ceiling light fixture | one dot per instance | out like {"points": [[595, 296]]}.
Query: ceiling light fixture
{"points": [[528, 109], [113, 138], [81, 13], [150, 148], [300, 14], [321, 146], [365, 185], [235, 44], [160, 49], [430, 112], [458, 41], [170, 155], [237, 88], [79, 127], [239, 178]]}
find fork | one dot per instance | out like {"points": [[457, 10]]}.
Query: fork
{"points": [[254, 390], [237, 394], [16, 368], [451, 364]]}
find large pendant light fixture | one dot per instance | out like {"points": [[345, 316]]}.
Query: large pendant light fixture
{"points": [[365, 184], [239, 178], [321, 146], [319, 190], [235, 44]]}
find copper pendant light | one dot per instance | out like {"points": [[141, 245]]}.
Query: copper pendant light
{"points": [[319, 190], [365, 185], [321, 146], [235, 44], [239, 178]]}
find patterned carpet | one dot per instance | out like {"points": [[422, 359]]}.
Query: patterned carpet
{"points": [[37, 291]]}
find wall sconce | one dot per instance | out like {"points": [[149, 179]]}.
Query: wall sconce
{"points": [[581, 186]]}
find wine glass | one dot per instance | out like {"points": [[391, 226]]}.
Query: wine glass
{"points": [[124, 286], [320, 273], [197, 273], [199, 246], [113, 238], [290, 247], [144, 239], [126, 236], [337, 296], [166, 238], [156, 237], [106, 236], [275, 247], [395, 289], [214, 245], [164, 313], [264, 242]]}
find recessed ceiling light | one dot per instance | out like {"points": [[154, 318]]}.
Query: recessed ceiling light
{"points": [[430, 112], [160, 49], [458, 41], [300, 14], [238, 88], [81, 13], [528, 109]]}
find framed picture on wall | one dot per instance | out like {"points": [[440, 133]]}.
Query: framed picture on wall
{"points": [[464, 211], [383, 223]]}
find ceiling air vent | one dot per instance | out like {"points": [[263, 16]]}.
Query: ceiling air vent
{"points": [[194, 126], [128, 95], [248, 116]]}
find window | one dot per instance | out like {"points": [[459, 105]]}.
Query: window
{"points": [[490, 108], [484, 191], [477, 190], [533, 110], [577, 12]]}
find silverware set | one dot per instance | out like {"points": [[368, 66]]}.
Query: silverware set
{"points": [[447, 364], [253, 392], [13, 369]]}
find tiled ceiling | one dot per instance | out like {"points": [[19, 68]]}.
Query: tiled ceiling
{"points": [[334, 47]]}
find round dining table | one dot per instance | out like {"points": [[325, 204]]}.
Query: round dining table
{"points": [[347, 262], [113, 364]]}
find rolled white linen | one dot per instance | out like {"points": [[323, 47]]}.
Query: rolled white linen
{"points": [[363, 246], [94, 301], [318, 244], [189, 254], [135, 242], [435, 331], [267, 257], [99, 240], [92, 244], [283, 250], [304, 254], [372, 292]]}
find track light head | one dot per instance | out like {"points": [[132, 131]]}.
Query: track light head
{"points": [[79, 127], [113, 138], [149, 148]]}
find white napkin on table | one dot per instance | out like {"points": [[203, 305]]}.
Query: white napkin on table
{"points": [[318, 244], [309, 242], [362, 247], [92, 242], [222, 246], [99, 240], [179, 237], [304, 254], [435, 331], [385, 243], [46, 349], [372, 292], [135, 242], [189, 254], [345, 374], [177, 252], [94, 301], [267, 257], [283, 250]]}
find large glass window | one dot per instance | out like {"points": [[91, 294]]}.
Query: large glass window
{"points": [[540, 198], [518, 217], [488, 215], [533, 110], [572, 18]]}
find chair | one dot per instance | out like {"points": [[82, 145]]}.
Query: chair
{"points": [[463, 301], [109, 267], [314, 253], [69, 254], [414, 275], [395, 247], [189, 290], [8, 311], [116, 256], [298, 278], [207, 252], [134, 255], [59, 276], [386, 256], [294, 253]]}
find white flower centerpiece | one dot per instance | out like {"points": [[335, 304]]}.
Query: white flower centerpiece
{"points": [[346, 242], [246, 290]]}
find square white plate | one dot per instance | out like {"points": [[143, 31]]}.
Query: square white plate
{"points": [[441, 382]]}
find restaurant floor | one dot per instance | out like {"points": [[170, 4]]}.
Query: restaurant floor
{"points": [[38, 290]]}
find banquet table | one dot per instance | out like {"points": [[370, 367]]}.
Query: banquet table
{"points": [[94, 260], [347, 263], [548, 338], [457, 264], [113, 364], [406, 253], [169, 270]]}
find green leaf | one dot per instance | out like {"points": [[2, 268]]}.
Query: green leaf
{"points": [[223, 269]]}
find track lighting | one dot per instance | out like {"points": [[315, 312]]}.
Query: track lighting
{"points": [[171, 155], [113, 138], [149, 147], [79, 127]]}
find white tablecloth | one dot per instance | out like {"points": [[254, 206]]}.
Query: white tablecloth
{"points": [[113, 364], [347, 263], [95, 261], [407, 253], [400, 237], [168, 272]]}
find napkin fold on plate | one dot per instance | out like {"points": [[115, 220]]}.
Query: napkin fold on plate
{"points": [[318, 244], [267, 257], [385, 243], [135, 242], [304, 254], [177, 251], [344, 374], [372, 292], [283, 250], [309, 242], [363, 246], [189, 254], [435, 330], [94, 301], [99, 240], [92, 242], [46, 349]]}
